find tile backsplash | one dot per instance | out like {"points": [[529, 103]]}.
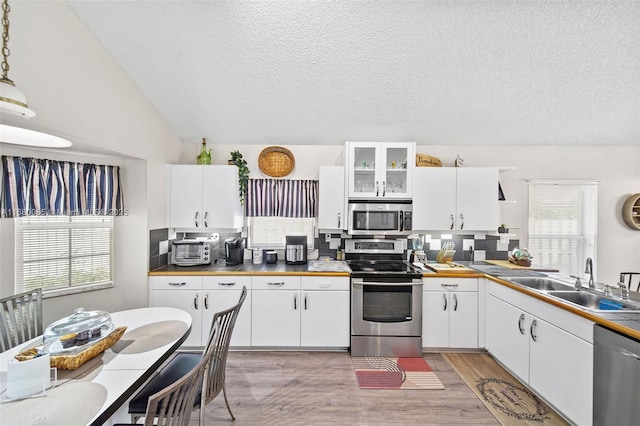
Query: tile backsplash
{"points": [[475, 247]]}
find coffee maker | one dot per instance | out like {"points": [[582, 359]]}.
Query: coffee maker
{"points": [[234, 251], [295, 250]]}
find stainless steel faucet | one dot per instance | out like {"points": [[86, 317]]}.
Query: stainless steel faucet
{"points": [[624, 291], [589, 270]]}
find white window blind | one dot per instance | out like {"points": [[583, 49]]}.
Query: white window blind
{"points": [[59, 253], [271, 232], [563, 223]]}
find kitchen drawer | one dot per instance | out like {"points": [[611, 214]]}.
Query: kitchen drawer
{"points": [[226, 282], [324, 283], [176, 282], [450, 284], [278, 282]]}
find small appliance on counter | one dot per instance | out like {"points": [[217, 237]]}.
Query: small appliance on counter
{"points": [[257, 256], [418, 256], [234, 251], [296, 250], [271, 257], [191, 252]]}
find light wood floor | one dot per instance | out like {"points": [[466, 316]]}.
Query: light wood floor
{"points": [[319, 388]]}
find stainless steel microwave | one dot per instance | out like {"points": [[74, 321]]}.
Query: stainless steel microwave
{"points": [[380, 218], [191, 252]]}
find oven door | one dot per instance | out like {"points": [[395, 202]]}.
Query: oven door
{"points": [[385, 307]]}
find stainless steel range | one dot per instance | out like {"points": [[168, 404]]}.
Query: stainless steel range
{"points": [[386, 300]]}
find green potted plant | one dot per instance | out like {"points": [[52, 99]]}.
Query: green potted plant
{"points": [[243, 172]]}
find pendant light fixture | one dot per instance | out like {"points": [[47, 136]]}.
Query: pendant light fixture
{"points": [[13, 101]]}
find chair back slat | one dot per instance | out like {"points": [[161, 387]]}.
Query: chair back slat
{"points": [[173, 405], [218, 343], [20, 318]]}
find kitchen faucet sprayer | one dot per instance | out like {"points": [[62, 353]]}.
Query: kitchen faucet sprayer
{"points": [[589, 270]]}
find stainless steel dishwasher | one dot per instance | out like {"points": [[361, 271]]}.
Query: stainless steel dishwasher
{"points": [[616, 378]]}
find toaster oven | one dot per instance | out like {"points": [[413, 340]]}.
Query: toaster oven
{"points": [[193, 252]]}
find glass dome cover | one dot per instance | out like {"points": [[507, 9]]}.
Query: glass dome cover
{"points": [[79, 322]]}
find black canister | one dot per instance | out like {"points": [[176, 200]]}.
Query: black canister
{"points": [[271, 257]]}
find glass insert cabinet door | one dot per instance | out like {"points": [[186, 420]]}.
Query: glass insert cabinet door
{"points": [[380, 169]]}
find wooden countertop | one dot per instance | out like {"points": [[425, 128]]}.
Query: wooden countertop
{"points": [[247, 268]]}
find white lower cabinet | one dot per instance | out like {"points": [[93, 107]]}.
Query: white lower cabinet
{"points": [[279, 311], [553, 356], [275, 311], [223, 292], [325, 317], [183, 292], [450, 313], [300, 311]]}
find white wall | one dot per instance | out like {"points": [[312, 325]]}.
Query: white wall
{"points": [[78, 91]]}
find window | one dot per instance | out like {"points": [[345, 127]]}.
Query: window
{"points": [[563, 224], [63, 254], [270, 232]]}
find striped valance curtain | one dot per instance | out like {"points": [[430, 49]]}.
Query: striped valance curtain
{"points": [[32, 186], [282, 197]]}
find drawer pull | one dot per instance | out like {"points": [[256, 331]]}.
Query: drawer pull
{"points": [[324, 285], [449, 285], [178, 284], [278, 284], [227, 284]]}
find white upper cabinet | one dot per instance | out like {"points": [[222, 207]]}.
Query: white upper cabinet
{"points": [[331, 198], [380, 170], [455, 198], [204, 197]]}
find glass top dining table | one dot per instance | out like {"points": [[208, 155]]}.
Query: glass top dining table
{"points": [[94, 392]]}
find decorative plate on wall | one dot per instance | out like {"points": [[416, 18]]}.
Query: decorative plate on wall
{"points": [[276, 161]]}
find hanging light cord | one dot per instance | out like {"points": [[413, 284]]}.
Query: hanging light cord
{"points": [[5, 42]]}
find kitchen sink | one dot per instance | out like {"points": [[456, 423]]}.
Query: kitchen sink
{"points": [[540, 283], [591, 301]]}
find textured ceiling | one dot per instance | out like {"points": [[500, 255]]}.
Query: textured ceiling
{"points": [[437, 72]]}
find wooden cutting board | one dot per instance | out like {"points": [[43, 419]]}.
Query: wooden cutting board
{"points": [[507, 264], [450, 268]]}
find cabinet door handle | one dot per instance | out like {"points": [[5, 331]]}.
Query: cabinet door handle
{"points": [[461, 221], [206, 301], [377, 188], [452, 221], [520, 326], [177, 284], [306, 301], [196, 218], [384, 188], [195, 301], [278, 284], [206, 216], [444, 298], [534, 337], [295, 302], [338, 220], [455, 300], [227, 284]]}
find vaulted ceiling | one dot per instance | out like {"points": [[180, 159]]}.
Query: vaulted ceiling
{"points": [[435, 72]]}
